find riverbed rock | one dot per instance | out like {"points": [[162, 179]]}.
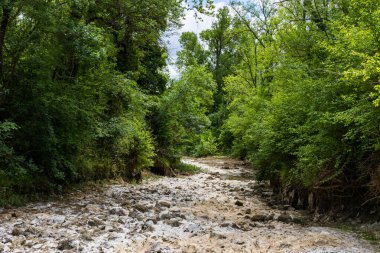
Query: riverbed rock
{"points": [[262, 217], [32, 231], [284, 218], [29, 243], [164, 203], [118, 211], [148, 226], [18, 241], [93, 208], [155, 248], [5, 217], [86, 235], [226, 224], [16, 231], [239, 242], [166, 215], [66, 244], [217, 235], [95, 222], [259, 217], [173, 222], [152, 222], [142, 207]]}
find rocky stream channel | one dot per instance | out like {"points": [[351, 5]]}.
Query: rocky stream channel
{"points": [[218, 210]]}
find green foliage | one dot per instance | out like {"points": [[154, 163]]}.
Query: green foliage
{"points": [[77, 81], [8, 198], [181, 119], [291, 86], [192, 52], [311, 120], [187, 168], [221, 52], [206, 145]]}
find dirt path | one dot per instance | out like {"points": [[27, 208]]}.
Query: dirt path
{"points": [[214, 211]]}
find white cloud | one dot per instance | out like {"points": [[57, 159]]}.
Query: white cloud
{"points": [[190, 24], [173, 71]]}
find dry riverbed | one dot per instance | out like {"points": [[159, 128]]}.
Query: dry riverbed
{"points": [[214, 211]]}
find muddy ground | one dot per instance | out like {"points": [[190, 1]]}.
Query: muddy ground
{"points": [[218, 210]]}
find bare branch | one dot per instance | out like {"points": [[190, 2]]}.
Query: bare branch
{"points": [[247, 24]]}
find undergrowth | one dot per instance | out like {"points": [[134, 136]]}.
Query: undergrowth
{"points": [[184, 168], [363, 232]]}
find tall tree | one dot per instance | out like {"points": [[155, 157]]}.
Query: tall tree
{"points": [[219, 40], [192, 52]]}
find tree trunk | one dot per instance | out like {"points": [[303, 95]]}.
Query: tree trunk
{"points": [[3, 28]]}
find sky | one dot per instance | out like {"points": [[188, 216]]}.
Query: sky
{"points": [[190, 24]]}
